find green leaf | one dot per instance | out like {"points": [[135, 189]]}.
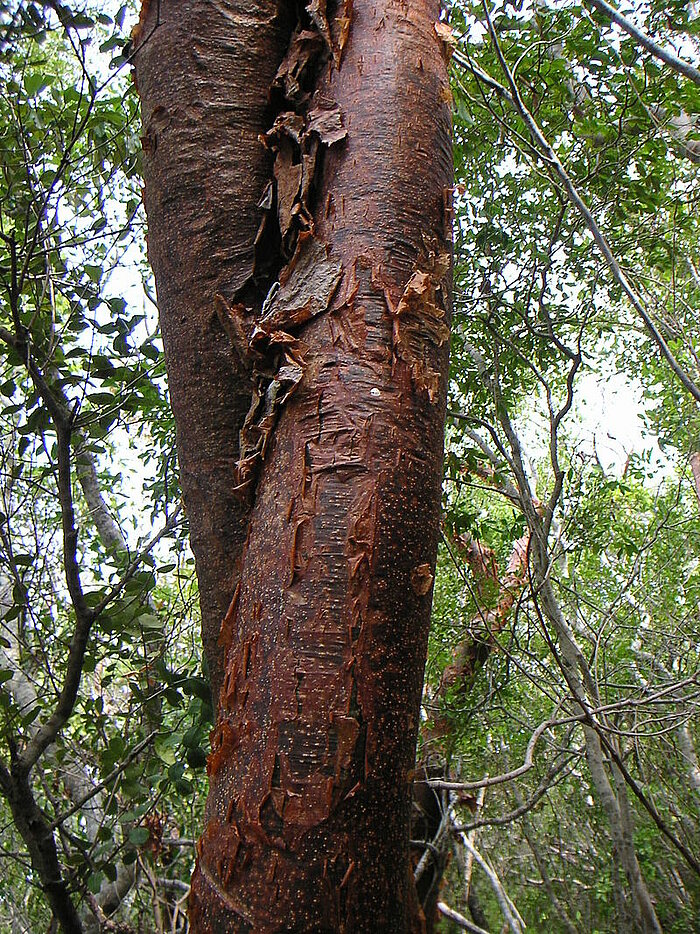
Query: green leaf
{"points": [[149, 621], [94, 882], [196, 757], [138, 835], [34, 82], [165, 750]]}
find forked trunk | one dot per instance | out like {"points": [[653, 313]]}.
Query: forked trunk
{"points": [[340, 453]]}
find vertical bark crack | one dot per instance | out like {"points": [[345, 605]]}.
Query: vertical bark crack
{"points": [[264, 342]]}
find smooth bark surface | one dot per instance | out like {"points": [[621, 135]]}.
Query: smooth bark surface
{"points": [[340, 454], [202, 71]]}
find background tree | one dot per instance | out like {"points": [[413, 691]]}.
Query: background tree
{"points": [[92, 710], [575, 269]]}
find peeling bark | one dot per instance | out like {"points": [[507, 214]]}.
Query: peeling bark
{"points": [[695, 467], [470, 655], [325, 637]]}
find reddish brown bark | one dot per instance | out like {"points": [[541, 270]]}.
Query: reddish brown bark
{"points": [[203, 70], [468, 658], [470, 655], [325, 640], [695, 467]]}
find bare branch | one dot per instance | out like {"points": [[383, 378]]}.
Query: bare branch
{"points": [[552, 160], [115, 773], [459, 919], [50, 729], [669, 58], [115, 591], [84, 617], [522, 809], [510, 912], [505, 776]]}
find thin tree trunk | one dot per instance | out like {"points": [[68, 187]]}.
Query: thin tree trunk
{"points": [[584, 691], [325, 640], [471, 654], [616, 806], [36, 832], [687, 748], [73, 774], [541, 863], [510, 912], [472, 837]]}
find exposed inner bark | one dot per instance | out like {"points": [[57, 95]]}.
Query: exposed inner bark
{"points": [[325, 639]]}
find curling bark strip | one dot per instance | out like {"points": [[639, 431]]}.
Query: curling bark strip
{"points": [[325, 639]]}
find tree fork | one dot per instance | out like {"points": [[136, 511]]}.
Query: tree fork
{"points": [[325, 640]]}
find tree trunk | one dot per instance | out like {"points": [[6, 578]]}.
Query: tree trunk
{"points": [[340, 453], [203, 70]]}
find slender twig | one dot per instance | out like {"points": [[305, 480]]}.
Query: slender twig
{"points": [[544, 786], [505, 776], [669, 58], [545, 150], [83, 615], [459, 919], [431, 846], [647, 805], [115, 773], [510, 912], [115, 591]]}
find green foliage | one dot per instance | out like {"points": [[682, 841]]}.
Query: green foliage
{"points": [[537, 316], [81, 349]]}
